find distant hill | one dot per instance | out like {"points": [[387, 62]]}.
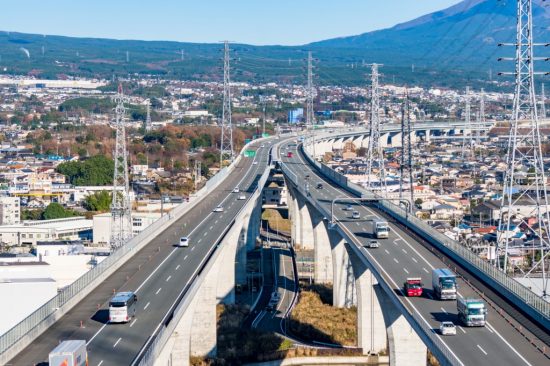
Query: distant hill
{"points": [[452, 47]]}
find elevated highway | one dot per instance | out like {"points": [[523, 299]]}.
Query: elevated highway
{"points": [[157, 274], [406, 255]]}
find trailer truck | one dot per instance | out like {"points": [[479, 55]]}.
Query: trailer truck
{"points": [[69, 353], [471, 312], [444, 284], [379, 229]]}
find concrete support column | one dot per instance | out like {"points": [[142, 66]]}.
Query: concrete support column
{"points": [[396, 140], [371, 328], [384, 139], [253, 226], [227, 267], [305, 226], [428, 135], [322, 251], [343, 288], [242, 249]]}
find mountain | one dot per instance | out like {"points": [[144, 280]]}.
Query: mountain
{"points": [[452, 47], [465, 35]]}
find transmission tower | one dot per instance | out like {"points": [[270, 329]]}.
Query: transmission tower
{"points": [[406, 166], [310, 94], [467, 141], [480, 117], [375, 153], [543, 103], [226, 141], [148, 124], [121, 220], [525, 180], [197, 173]]}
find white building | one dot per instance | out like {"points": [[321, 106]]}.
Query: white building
{"points": [[10, 210], [102, 225], [30, 232]]}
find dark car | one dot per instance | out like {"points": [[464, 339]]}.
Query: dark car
{"points": [[319, 185]]}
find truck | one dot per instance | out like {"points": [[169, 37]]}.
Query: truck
{"points": [[69, 353], [289, 154], [444, 284], [379, 228], [413, 286], [471, 312]]}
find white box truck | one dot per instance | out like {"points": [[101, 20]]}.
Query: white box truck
{"points": [[472, 312], [69, 353], [379, 229]]}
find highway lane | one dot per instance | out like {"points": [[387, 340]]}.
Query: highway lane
{"points": [[402, 256], [157, 274]]}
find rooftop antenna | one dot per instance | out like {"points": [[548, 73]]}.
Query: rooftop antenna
{"points": [[525, 154]]}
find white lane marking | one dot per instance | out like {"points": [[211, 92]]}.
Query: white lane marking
{"points": [[199, 241], [96, 333], [215, 222], [489, 329], [445, 311], [404, 251], [394, 242], [100, 363], [481, 349], [206, 232], [178, 267], [507, 343], [395, 260], [168, 279], [192, 248], [156, 293], [404, 269], [156, 269], [133, 322], [114, 345], [385, 250], [211, 227], [146, 306], [425, 270], [184, 258], [462, 329], [414, 259]]}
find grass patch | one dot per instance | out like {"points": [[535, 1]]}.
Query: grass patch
{"points": [[314, 319], [276, 221]]}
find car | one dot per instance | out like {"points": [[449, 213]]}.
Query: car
{"points": [[447, 328], [307, 176], [184, 242], [348, 208], [319, 185], [262, 146], [372, 244], [355, 215], [255, 163], [236, 190], [218, 208], [241, 197]]}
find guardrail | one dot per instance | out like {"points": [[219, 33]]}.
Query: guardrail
{"points": [[537, 308], [26, 331], [444, 355], [157, 341]]}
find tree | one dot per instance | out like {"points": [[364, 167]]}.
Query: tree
{"points": [[98, 201], [55, 211], [96, 171]]}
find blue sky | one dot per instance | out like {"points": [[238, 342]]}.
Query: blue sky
{"points": [[288, 22]]}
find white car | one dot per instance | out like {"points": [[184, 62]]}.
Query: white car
{"points": [[372, 244], [348, 208], [241, 197], [355, 215], [255, 163], [447, 328], [184, 242], [236, 190], [218, 208], [262, 146]]}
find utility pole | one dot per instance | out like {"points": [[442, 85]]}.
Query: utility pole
{"points": [[525, 153], [375, 153], [406, 166], [467, 142], [310, 120], [226, 141], [148, 123], [121, 219]]}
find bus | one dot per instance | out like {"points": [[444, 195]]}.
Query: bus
{"points": [[122, 307]]}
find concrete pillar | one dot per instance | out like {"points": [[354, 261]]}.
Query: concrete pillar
{"points": [[294, 216], [322, 252], [384, 139], [242, 249], [343, 282], [405, 346], [227, 267], [177, 351], [305, 227], [371, 328], [396, 140], [428, 135], [253, 226]]}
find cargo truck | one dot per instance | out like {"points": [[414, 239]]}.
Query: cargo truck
{"points": [[413, 286], [379, 228], [69, 353], [472, 312], [444, 284]]}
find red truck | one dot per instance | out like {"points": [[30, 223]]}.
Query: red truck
{"points": [[289, 154], [413, 286]]}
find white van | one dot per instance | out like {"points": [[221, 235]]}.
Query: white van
{"points": [[184, 241]]}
